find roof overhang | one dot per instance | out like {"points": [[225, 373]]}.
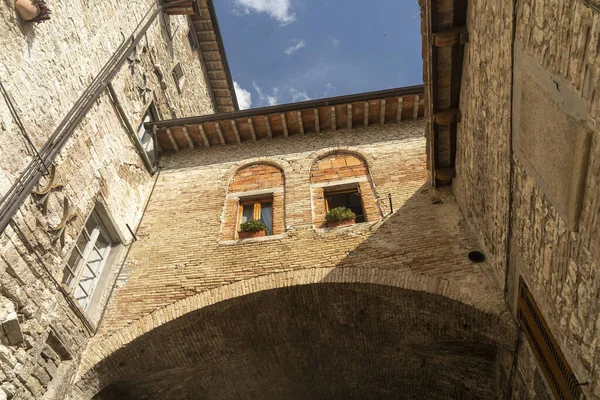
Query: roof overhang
{"points": [[214, 59], [315, 116], [443, 26]]}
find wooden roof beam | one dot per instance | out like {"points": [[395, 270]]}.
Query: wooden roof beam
{"points": [[172, 139], [447, 117], [236, 132], [350, 116], [399, 110], [416, 107], [284, 124], [204, 137], [220, 133], [252, 131], [333, 119], [451, 37], [188, 137], [300, 122], [268, 126]]}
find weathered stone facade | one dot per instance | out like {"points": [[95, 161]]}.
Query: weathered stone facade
{"points": [[44, 69], [530, 108], [482, 184]]}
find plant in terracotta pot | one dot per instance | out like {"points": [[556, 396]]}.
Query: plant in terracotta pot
{"points": [[33, 10], [252, 229], [340, 216]]}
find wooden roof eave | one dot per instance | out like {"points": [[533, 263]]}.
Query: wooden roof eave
{"points": [[316, 116], [444, 36], [211, 49]]}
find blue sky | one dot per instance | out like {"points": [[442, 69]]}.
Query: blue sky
{"points": [[283, 51]]}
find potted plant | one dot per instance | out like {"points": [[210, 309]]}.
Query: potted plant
{"points": [[340, 216], [252, 229], [33, 10]]}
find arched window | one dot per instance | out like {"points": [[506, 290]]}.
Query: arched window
{"points": [[256, 192], [342, 180]]}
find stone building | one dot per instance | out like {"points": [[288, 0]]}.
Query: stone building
{"points": [[127, 170]]}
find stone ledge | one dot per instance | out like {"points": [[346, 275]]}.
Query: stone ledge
{"points": [[252, 240]]}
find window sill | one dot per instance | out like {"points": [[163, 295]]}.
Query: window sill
{"points": [[252, 240], [358, 227]]}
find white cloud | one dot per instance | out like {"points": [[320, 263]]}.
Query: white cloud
{"points": [[244, 97], [298, 95], [297, 45], [281, 10], [329, 89], [266, 99], [335, 42]]}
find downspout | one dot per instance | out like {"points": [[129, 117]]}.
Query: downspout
{"points": [[515, 363], [130, 130], [135, 235]]}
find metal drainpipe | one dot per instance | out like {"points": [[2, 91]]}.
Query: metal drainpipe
{"points": [[105, 307], [515, 362], [130, 130]]}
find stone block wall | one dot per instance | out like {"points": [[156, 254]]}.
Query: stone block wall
{"points": [[482, 183], [526, 98], [555, 250], [44, 69]]}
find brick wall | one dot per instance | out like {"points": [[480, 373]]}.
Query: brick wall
{"points": [[179, 260]]}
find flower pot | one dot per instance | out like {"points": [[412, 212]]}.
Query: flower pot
{"points": [[27, 9], [248, 235], [33, 10], [345, 222]]}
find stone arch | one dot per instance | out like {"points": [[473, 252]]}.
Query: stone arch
{"points": [[98, 367], [343, 171], [254, 181]]}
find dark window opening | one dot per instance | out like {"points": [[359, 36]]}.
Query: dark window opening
{"points": [[178, 77], [350, 199], [258, 209], [191, 38]]}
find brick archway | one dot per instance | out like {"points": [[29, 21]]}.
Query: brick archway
{"points": [[100, 364]]}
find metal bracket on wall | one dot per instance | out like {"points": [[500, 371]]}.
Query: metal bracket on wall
{"points": [[67, 217], [45, 192]]}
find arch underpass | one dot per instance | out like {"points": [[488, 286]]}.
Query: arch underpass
{"points": [[348, 334]]}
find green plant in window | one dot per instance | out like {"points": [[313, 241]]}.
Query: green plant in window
{"points": [[253, 225], [339, 214]]}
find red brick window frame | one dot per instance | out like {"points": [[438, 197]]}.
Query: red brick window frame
{"points": [[255, 191], [342, 179]]}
